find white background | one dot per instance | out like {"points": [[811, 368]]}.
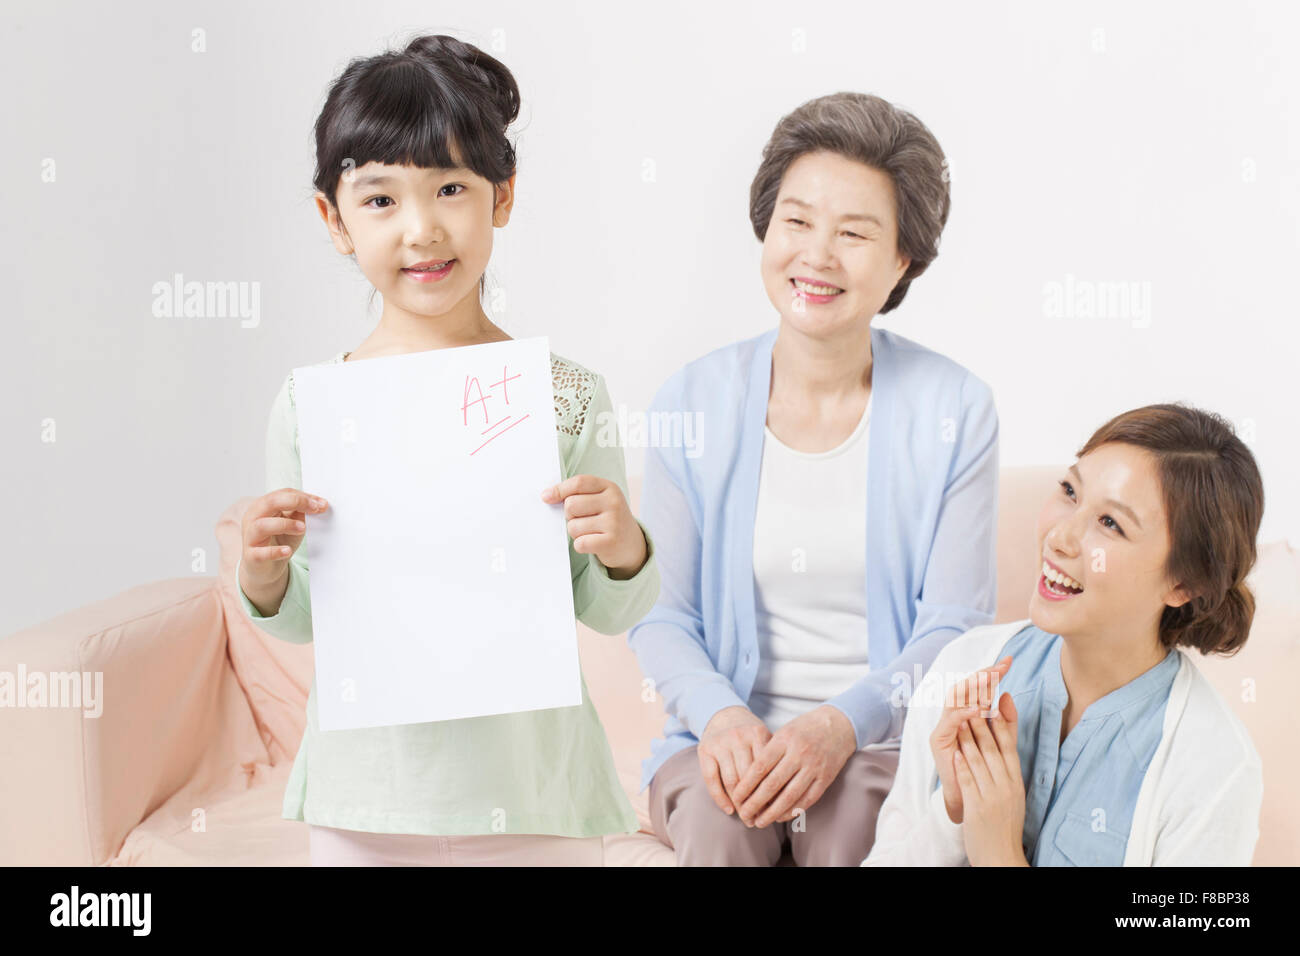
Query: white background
{"points": [[1119, 142]]}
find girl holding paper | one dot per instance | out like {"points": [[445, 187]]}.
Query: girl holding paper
{"points": [[414, 171]]}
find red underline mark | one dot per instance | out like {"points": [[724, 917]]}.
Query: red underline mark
{"points": [[497, 435], [494, 425]]}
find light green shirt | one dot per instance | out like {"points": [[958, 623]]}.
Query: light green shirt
{"points": [[540, 771]]}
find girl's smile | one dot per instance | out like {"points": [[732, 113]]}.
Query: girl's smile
{"points": [[426, 273]]}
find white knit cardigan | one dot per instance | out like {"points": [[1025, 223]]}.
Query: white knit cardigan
{"points": [[1198, 804]]}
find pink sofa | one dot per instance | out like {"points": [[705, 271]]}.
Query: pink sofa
{"points": [[203, 713]]}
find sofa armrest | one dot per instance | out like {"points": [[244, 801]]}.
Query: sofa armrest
{"points": [[161, 712]]}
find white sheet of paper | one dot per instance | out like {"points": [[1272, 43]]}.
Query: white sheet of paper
{"points": [[440, 580]]}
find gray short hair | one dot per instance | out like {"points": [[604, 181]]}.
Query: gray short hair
{"points": [[875, 132]]}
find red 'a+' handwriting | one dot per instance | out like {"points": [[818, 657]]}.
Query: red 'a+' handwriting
{"points": [[504, 382]]}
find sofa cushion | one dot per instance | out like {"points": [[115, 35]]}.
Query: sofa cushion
{"points": [[238, 826], [1257, 683]]}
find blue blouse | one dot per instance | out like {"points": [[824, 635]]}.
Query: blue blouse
{"points": [[1080, 793], [931, 531]]}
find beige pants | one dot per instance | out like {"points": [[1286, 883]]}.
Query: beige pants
{"points": [[334, 847], [837, 830]]}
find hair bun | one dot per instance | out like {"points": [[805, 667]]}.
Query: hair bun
{"points": [[473, 65], [1219, 629]]}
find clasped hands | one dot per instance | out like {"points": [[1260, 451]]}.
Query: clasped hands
{"points": [[766, 777], [979, 768]]}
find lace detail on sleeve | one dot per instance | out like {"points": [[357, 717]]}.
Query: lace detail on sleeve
{"points": [[293, 411], [573, 387]]}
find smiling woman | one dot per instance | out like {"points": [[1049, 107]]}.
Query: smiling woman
{"points": [[1105, 746], [792, 570], [901, 205], [1157, 521]]}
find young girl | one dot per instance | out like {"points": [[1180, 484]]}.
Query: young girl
{"points": [[414, 171], [1106, 745]]}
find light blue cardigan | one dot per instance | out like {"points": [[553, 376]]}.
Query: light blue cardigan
{"points": [[932, 494]]}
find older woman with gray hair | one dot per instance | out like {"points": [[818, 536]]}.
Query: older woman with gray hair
{"points": [[835, 529]]}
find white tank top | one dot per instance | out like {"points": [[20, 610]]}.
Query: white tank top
{"points": [[810, 575]]}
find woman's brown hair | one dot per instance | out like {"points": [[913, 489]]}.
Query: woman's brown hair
{"points": [[1214, 501], [875, 132]]}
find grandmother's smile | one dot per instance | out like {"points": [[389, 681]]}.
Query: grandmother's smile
{"points": [[813, 292]]}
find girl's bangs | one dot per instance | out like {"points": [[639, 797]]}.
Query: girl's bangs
{"points": [[411, 123]]}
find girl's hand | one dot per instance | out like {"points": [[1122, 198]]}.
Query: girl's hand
{"points": [[971, 698], [987, 767], [272, 530], [601, 523]]}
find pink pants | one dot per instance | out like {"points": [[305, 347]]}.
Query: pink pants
{"points": [[334, 847]]}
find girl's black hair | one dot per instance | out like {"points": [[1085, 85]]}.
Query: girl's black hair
{"points": [[416, 106]]}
